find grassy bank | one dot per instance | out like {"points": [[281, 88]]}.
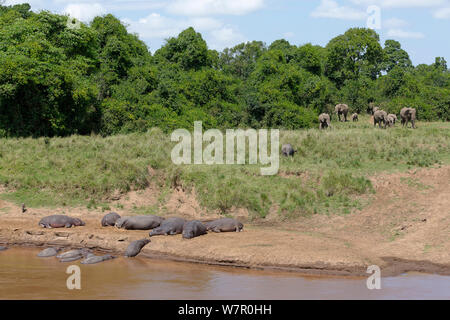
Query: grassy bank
{"points": [[328, 174]]}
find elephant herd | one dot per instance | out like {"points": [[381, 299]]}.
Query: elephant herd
{"points": [[380, 117]]}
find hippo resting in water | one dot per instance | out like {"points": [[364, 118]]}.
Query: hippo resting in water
{"points": [[92, 259], [135, 247], [224, 225], [49, 252], [139, 222], [60, 221], [170, 226], [192, 229], [3, 248], [74, 255], [110, 219]]}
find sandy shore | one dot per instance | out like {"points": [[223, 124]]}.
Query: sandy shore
{"points": [[405, 228]]}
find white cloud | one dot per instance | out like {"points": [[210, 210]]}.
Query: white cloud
{"points": [[443, 13], [225, 37], [213, 7], [401, 3], [331, 9], [399, 33], [156, 28], [395, 23], [84, 12]]}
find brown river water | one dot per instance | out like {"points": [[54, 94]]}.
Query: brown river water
{"points": [[25, 276]]}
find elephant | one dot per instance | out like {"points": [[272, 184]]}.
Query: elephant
{"points": [[287, 150], [372, 108], [393, 116], [380, 116], [408, 114], [355, 117], [392, 119], [341, 109], [324, 121]]}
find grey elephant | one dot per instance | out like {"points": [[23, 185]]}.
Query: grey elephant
{"points": [[393, 116], [355, 117], [392, 119], [341, 110], [373, 108], [287, 150], [379, 117], [408, 115], [324, 121]]}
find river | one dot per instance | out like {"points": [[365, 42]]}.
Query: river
{"points": [[25, 276]]}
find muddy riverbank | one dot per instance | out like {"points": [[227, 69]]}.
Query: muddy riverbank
{"points": [[405, 228]]}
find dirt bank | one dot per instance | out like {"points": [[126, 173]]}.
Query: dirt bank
{"points": [[405, 228]]}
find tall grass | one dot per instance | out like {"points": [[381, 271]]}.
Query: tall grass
{"points": [[329, 174]]}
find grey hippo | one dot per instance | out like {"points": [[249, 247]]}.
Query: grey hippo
{"points": [[170, 226], [139, 222], [60, 221], [110, 219], [49, 252], [74, 255], [3, 248], [194, 228], [92, 259], [224, 225], [135, 247]]}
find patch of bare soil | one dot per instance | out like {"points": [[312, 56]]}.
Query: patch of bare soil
{"points": [[405, 228]]}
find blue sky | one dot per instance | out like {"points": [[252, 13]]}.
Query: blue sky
{"points": [[422, 26]]}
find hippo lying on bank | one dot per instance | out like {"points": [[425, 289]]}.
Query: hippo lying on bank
{"points": [[92, 259], [170, 226], [192, 229], [49, 252], [3, 248], [60, 221], [135, 247], [74, 255], [110, 219], [139, 222], [224, 225]]}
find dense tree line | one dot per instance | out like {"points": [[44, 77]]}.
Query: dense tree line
{"points": [[57, 80]]}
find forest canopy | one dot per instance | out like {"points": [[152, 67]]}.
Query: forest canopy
{"points": [[56, 80]]}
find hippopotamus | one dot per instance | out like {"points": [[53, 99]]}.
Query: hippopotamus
{"points": [[3, 248], [92, 259], [287, 150], [73, 255], [170, 226], [224, 225], [139, 222], [60, 221], [49, 252], [110, 219], [192, 229], [135, 247]]}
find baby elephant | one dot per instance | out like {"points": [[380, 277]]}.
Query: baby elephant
{"points": [[192, 229], [288, 151], [60, 221], [170, 226], [224, 225], [391, 119], [355, 117], [324, 121]]}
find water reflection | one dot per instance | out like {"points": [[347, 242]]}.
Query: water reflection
{"points": [[25, 276]]}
